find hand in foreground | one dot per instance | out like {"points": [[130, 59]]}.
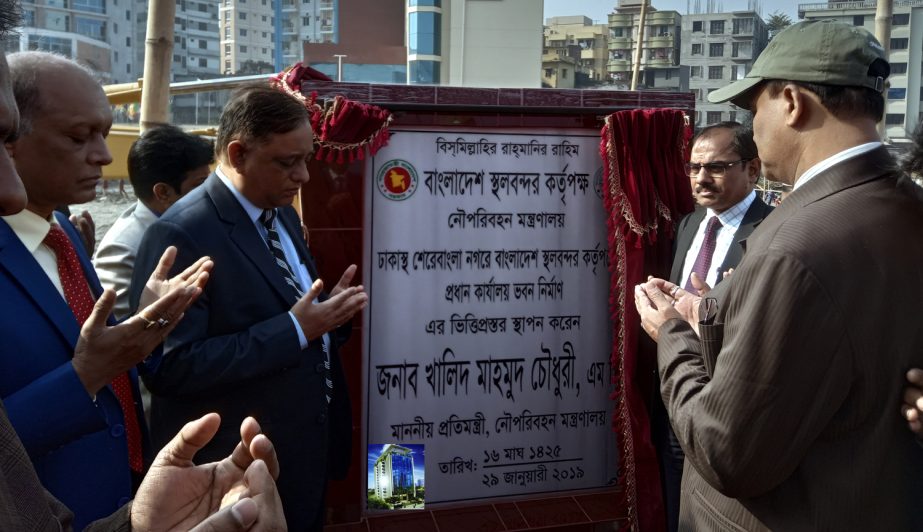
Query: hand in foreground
{"points": [[102, 352], [912, 409], [86, 227], [237, 493], [655, 306], [158, 285], [686, 303], [318, 318]]}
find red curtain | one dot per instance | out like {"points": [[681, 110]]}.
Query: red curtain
{"points": [[647, 193]]}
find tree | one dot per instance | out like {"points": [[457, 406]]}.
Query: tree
{"points": [[251, 67], [777, 22]]}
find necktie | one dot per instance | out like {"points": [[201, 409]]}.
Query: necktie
{"points": [[703, 260], [275, 246], [78, 297]]}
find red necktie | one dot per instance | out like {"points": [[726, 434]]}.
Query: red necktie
{"points": [[703, 260], [77, 294]]}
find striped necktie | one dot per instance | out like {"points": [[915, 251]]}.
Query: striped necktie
{"points": [[275, 246]]}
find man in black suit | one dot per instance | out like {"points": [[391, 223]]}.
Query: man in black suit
{"points": [[261, 340], [723, 168]]}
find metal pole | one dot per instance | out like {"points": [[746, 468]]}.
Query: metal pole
{"points": [[339, 66], [639, 46], [883, 34], [158, 56]]}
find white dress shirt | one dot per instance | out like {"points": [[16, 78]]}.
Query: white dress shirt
{"points": [[730, 222], [32, 230]]}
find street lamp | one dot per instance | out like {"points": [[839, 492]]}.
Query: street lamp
{"points": [[339, 66]]}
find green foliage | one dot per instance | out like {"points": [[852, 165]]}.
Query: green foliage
{"points": [[376, 503], [777, 22]]}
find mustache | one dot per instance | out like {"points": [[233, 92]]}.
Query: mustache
{"points": [[699, 188]]}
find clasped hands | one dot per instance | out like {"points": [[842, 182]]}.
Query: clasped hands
{"points": [[344, 302], [658, 301], [103, 352], [237, 493]]}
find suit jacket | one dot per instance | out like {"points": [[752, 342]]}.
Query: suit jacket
{"points": [[77, 445], [115, 257], [689, 226], [787, 408], [25, 506], [236, 351]]}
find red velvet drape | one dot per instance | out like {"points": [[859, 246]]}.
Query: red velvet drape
{"points": [[647, 193]]}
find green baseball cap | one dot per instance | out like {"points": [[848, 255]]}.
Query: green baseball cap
{"points": [[815, 51]]}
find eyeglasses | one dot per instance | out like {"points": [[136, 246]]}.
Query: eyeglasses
{"points": [[715, 169]]}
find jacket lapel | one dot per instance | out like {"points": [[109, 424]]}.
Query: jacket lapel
{"points": [[243, 232], [754, 215], [35, 284], [688, 229]]}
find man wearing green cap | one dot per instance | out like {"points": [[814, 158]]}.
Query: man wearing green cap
{"points": [[785, 399]]}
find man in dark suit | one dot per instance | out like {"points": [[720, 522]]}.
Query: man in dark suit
{"points": [[785, 402], [261, 340], [67, 379], [723, 168]]}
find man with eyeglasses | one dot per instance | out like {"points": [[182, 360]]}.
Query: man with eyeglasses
{"points": [[723, 168]]}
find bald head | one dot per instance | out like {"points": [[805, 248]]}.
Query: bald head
{"points": [[32, 73], [64, 120]]}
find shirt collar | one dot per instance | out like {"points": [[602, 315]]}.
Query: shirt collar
{"points": [[734, 216], [848, 153], [30, 228], [253, 212]]}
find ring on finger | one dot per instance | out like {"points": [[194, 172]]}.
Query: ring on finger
{"points": [[162, 322], [148, 323], [673, 291]]}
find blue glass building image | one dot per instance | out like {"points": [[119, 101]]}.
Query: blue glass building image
{"points": [[394, 475]]}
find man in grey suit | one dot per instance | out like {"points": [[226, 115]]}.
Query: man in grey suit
{"points": [[785, 402], [164, 164], [723, 168]]}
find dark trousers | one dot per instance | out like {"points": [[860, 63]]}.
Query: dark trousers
{"points": [[670, 456]]}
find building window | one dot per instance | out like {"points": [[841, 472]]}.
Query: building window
{"points": [[563, 73], [696, 72], [127, 41], [732, 116], [894, 119], [243, 49], [242, 15], [427, 3], [227, 49], [897, 93], [203, 63], [696, 49], [91, 27], [899, 44], [128, 68], [424, 72], [715, 72], [738, 72], [89, 6], [898, 68], [741, 49], [425, 33], [900, 19], [712, 117], [716, 49], [305, 21], [203, 44], [243, 32], [617, 32], [858, 20], [742, 26], [716, 27], [697, 25], [549, 72]]}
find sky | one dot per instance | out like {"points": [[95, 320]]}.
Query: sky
{"points": [[599, 9]]}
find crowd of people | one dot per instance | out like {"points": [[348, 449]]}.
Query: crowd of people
{"points": [[786, 396]]}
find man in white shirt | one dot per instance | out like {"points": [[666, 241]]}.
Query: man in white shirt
{"points": [[723, 168], [164, 164]]}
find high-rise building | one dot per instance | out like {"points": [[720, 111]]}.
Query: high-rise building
{"points": [[394, 473], [79, 29], [720, 48], [575, 52], [660, 66], [268, 35], [903, 110]]}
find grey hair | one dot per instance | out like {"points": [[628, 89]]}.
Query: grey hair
{"points": [[25, 70]]}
